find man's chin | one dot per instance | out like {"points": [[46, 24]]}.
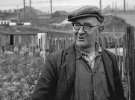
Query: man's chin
{"points": [[83, 45]]}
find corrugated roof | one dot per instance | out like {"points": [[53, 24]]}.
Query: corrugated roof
{"points": [[17, 30]]}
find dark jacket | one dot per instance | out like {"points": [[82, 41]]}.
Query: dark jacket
{"points": [[57, 79]]}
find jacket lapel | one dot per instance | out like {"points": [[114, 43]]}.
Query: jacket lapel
{"points": [[70, 65], [108, 66], [67, 70]]}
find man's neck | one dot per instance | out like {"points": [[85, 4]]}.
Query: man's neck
{"points": [[88, 50]]}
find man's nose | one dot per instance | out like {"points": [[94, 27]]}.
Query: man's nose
{"points": [[81, 30]]}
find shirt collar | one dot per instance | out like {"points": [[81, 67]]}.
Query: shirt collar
{"points": [[80, 53]]}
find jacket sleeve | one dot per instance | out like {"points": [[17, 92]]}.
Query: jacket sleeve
{"points": [[117, 79], [46, 85]]}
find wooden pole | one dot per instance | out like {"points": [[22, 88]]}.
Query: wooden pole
{"points": [[100, 4], [124, 5], [30, 3], [51, 6], [18, 14], [24, 7], [130, 60]]}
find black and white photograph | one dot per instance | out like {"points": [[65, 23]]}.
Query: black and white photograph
{"points": [[67, 49]]}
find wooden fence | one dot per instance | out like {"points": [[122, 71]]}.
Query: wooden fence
{"points": [[51, 43], [58, 43], [124, 48]]}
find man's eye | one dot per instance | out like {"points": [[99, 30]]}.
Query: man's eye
{"points": [[76, 24], [88, 27]]}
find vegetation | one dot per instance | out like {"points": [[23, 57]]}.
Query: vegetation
{"points": [[18, 76]]}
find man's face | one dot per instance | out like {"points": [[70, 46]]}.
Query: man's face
{"points": [[86, 31]]}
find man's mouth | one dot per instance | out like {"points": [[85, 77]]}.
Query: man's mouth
{"points": [[81, 38]]}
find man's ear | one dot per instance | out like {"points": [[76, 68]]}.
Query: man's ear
{"points": [[101, 28]]}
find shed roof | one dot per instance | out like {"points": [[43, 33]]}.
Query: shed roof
{"points": [[19, 30]]}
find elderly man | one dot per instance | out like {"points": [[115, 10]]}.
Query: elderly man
{"points": [[84, 71]]}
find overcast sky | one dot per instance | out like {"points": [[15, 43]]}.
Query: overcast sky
{"points": [[67, 5]]}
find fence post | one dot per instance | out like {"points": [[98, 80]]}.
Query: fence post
{"points": [[130, 61]]}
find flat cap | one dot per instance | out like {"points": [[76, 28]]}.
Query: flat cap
{"points": [[86, 11]]}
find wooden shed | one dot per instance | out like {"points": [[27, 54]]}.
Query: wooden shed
{"points": [[17, 36]]}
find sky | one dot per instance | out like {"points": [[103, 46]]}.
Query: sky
{"points": [[68, 5]]}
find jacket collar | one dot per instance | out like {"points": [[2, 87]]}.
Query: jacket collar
{"points": [[80, 53]]}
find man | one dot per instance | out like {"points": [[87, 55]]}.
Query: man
{"points": [[84, 71]]}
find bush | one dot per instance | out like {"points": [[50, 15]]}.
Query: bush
{"points": [[18, 76]]}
